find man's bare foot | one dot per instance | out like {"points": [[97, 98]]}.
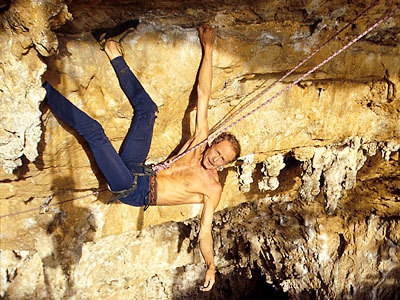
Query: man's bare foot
{"points": [[112, 50], [116, 33]]}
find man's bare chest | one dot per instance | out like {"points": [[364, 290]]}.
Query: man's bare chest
{"points": [[193, 177]]}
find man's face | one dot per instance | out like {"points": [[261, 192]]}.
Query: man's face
{"points": [[218, 155]]}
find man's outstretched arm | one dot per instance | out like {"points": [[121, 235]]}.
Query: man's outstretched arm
{"points": [[206, 240]]}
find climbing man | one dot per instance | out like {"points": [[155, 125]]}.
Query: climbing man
{"points": [[194, 176]]}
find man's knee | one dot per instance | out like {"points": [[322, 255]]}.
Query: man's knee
{"points": [[93, 133], [153, 107], [147, 107]]}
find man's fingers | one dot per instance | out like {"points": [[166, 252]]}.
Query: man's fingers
{"points": [[204, 27], [206, 287]]}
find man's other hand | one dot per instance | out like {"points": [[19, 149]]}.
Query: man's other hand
{"points": [[209, 280]]}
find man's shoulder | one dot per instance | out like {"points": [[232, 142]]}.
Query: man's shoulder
{"points": [[212, 181]]}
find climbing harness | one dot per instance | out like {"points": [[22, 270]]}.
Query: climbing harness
{"points": [[153, 170], [164, 165], [151, 195]]}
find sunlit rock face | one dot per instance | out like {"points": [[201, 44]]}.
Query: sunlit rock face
{"points": [[310, 211]]}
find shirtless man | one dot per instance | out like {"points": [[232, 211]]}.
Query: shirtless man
{"points": [[194, 177]]}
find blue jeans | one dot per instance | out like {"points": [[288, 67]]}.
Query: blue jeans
{"points": [[116, 167]]}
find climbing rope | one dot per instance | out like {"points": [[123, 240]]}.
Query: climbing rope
{"points": [[298, 66], [46, 206], [164, 165]]}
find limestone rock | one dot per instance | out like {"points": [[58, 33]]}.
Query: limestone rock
{"points": [[26, 24], [245, 172], [324, 222], [271, 169]]}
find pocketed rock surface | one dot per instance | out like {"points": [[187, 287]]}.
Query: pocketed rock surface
{"points": [[311, 209]]}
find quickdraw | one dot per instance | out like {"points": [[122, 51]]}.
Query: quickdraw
{"points": [[45, 208]]}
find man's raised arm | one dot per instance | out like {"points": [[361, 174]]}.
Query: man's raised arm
{"points": [[207, 38], [204, 83]]}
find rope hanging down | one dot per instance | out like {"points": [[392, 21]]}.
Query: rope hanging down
{"points": [[164, 165], [296, 67]]}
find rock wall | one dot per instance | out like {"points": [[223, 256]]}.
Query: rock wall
{"points": [[311, 209]]}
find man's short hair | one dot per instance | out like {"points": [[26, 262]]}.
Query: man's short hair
{"points": [[226, 136]]}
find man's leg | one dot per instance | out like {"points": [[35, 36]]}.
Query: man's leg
{"points": [[136, 145], [117, 174]]}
